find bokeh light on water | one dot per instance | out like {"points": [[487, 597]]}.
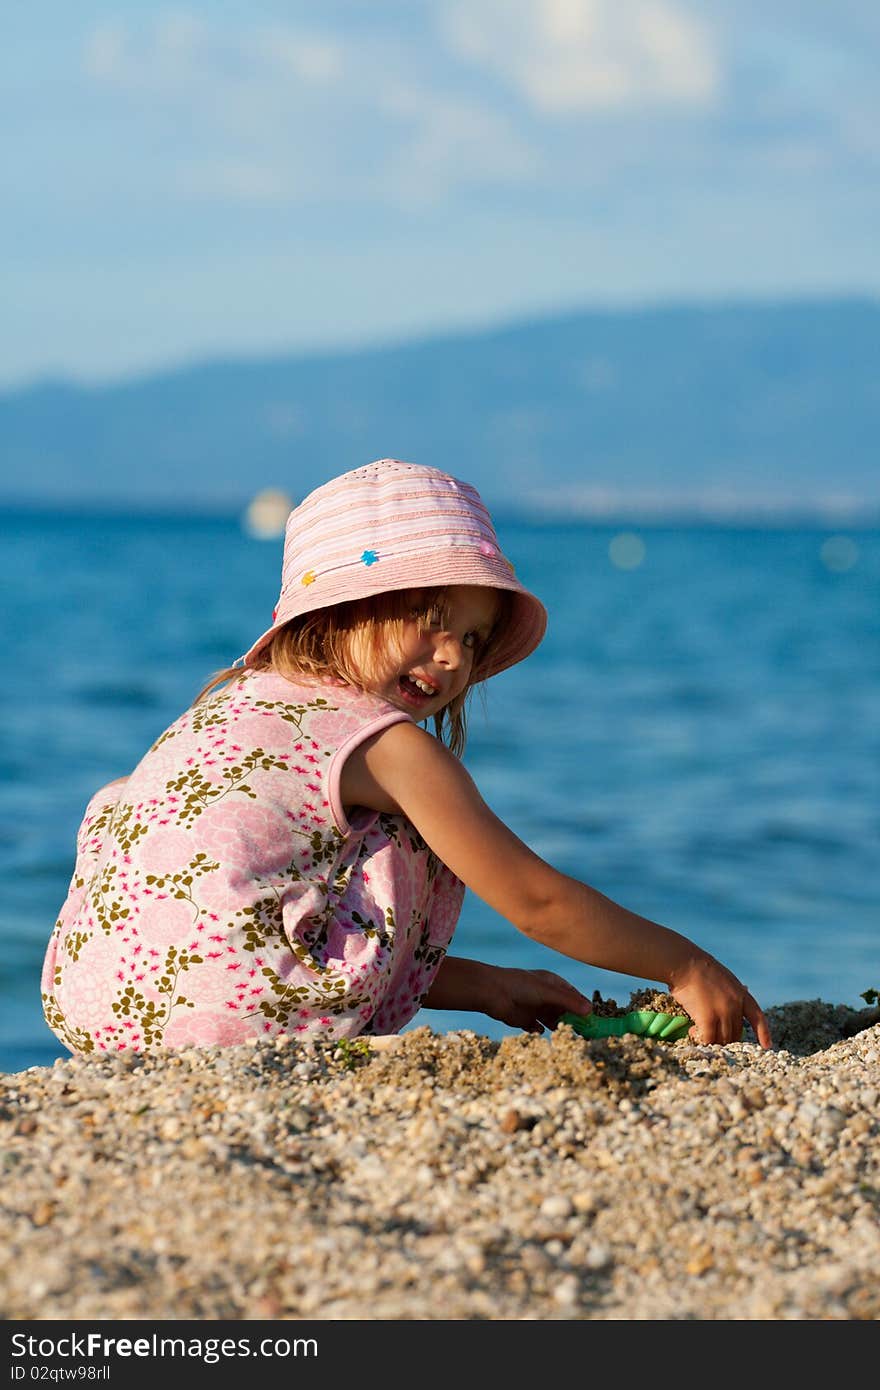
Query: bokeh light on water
{"points": [[839, 553], [626, 550]]}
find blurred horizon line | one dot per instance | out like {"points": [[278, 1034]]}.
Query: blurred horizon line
{"points": [[557, 510]]}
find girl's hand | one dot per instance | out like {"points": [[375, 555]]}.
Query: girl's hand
{"points": [[531, 999], [717, 1002]]}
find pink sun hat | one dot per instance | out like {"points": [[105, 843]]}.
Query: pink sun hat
{"points": [[394, 525]]}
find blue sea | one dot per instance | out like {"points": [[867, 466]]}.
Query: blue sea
{"points": [[698, 736]]}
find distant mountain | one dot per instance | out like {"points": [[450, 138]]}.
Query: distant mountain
{"points": [[723, 408]]}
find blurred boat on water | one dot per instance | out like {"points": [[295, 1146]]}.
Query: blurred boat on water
{"points": [[265, 515]]}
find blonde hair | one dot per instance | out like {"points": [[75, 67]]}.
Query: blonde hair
{"points": [[346, 642]]}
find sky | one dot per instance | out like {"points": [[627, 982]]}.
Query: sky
{"points": [[234, 180]]}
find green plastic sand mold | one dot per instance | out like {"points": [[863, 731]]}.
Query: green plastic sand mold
{"points": [[642, 1021]]}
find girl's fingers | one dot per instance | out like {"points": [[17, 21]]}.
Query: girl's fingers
{"points": [[730, 1030], [703, 1033], [756, 1018], [562, 996]]}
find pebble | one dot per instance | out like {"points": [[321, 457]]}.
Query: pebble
{"points": [[450, 1176]]}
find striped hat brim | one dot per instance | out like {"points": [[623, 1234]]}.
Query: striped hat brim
{"points": [[391, 526]]}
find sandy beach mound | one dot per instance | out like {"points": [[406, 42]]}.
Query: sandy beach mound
{"points": [[451, 1176]]}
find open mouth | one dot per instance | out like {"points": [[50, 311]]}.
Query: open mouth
{"points": [[416, 692]]}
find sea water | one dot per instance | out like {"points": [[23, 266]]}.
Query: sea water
{"points": [[697, 736]]}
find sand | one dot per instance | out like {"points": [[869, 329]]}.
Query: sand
{"points": [[451, 1176]]}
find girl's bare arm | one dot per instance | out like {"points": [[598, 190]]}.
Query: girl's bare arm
{"points": [[528, 999], [405, 769]]}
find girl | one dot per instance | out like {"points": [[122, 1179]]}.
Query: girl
{"points": [[290, 856]]}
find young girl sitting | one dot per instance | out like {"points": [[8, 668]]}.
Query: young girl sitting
{"points": [[291, 855]]}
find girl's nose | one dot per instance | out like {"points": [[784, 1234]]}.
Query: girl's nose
{"points": [[448, 651]]}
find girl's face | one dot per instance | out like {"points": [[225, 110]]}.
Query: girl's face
{"points": [[436, 658]]}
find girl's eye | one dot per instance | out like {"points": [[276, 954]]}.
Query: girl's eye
{"points": [[472, 640], [428, 617]]}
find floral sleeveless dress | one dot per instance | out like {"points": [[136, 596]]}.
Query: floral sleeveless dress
{"points": [[221, 893]]}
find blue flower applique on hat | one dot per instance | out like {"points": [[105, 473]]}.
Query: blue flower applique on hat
{"points": [[370, 557]]}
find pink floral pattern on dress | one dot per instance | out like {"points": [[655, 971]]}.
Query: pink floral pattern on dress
{"points": [[217, 896]]}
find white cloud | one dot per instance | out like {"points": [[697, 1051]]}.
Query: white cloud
{"points": [[450, 142], [573, 56], [240, 100], [276, 114], [470, 97], [306, 56], [182, 52], [104, 53], [180, 37]]}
